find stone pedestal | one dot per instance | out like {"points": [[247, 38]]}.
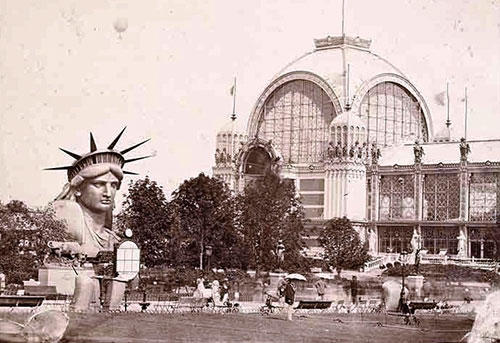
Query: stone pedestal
{"points": [[87, 291], [415, 284], [62, 277], [114, 294], [391, 293]]}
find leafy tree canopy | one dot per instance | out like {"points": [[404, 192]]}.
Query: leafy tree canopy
{"points": [[145, 211], [205, 209], [269, 211], [343, 247], [24, 234]]}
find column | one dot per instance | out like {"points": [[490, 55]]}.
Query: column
{"points": [[418, 192], [328, 194], [375, 191], [338, 191], [464, 191]]}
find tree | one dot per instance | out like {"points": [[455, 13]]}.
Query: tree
{"points": [[145, 211], [269, 211], [24, 235], [343, 247], [205, 210]]}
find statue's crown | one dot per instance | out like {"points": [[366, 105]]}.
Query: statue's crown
{"points": [[95, 156]]}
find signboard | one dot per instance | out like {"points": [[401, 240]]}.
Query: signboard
{"points": [[128, 259]]}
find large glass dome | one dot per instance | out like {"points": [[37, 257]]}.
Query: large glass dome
{"points": [[296, 117]]}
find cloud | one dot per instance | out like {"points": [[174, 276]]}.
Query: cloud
{"points": [[440, 98]]}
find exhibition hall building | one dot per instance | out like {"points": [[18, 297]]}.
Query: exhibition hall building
{"points": [[358, 139]]}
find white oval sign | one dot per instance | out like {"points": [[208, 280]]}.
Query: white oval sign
{"points": [[128, 260]]}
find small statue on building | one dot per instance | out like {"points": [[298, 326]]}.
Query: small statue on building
{"points": [[464, 149], [418, 151], [331, 150], [358, 151], [223, 156], [338, 150], [351, 151], [344, 151], [461, 246], [375, 154], [217, 156], [363, 150]]}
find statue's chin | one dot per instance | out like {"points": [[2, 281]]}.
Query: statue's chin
{"points": [[98, 209]]}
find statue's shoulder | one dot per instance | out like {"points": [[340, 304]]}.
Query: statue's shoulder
{"points": [[65, 209], [71, 213]]}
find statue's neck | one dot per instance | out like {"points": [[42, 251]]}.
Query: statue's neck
{"points": [[94, 221]]}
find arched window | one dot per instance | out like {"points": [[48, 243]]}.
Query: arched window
{"points": [[257, 161], [296, 117], [392, 115]]}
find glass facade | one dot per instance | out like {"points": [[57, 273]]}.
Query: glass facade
{"points": [[441, 197], [392, 115], [484, 196], [394, 239], [482, 242], [397, 197], [435, 239], [312, 195], [296, 117]]}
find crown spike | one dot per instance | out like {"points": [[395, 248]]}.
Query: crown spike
{"points": [[93, 146], [58, 168], [113, 143], [72, 154], [137, 159], [129, 173], [133, 147]]}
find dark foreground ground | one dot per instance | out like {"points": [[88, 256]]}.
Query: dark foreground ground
{"points": [[205, 327]]}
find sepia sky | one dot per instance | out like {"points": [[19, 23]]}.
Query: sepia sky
{"points": [[65, 71]]}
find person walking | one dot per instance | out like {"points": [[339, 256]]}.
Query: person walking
{"points": [[280, 291], [289, 298], [354, 290], [320, 288]]}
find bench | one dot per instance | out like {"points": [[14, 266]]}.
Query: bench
{"points": [[313, 305], [421, 305], [21, 300], [190, 303], [49, 292]]}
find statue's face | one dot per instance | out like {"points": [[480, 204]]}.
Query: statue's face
{"points": [[98, 193]]}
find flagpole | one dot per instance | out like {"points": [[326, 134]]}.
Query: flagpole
{"points": [[343, 13], [233, 116], [465, 114], [348, 100], [448, 121]]}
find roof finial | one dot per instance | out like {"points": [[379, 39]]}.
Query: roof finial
{"points": [[233, 93], [348, 94]]}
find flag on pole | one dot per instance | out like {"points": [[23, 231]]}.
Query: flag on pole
{"points": [[231, 91]]}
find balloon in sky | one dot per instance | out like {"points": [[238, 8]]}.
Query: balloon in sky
{"points": [[120, 25]]}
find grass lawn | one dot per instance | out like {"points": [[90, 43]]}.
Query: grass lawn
{"points": [[206, 327]]}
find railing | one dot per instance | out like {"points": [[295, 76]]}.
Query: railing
{"points": [[370, 265], [483, 263]]}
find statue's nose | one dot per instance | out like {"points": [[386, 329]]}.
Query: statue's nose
{"points": [[108, 189]]}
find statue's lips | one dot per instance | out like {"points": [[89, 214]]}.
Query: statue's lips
{"points": [[106, 202]]}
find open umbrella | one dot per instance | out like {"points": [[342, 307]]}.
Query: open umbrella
{"points": [[296, 276]]}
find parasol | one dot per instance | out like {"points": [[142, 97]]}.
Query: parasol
{"points": [[296, 276]]}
